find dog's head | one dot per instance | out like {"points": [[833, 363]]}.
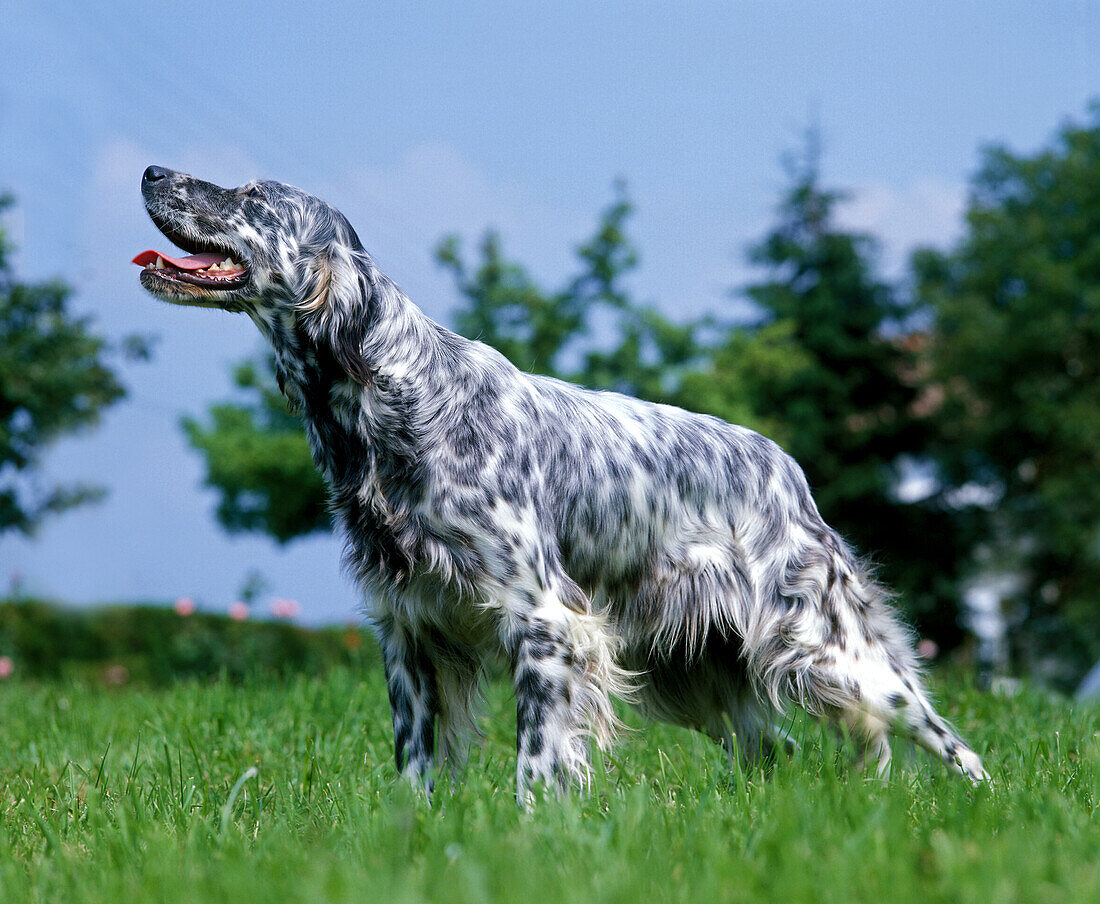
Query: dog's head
{"points": [[266, 249], [261, 243]]}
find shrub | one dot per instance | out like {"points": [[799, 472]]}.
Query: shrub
{"points": [[153, 644]]}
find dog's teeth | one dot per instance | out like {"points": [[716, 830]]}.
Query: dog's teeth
{"points": [[159, 265]]}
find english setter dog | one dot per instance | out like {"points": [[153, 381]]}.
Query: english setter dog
{"points": [[599, 545]]}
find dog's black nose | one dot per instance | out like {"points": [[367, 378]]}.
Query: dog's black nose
{"points": [[154, 174]]}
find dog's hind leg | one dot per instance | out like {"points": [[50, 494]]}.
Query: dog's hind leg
{"points": [[871, 695], [894, 701], [839, 650], [915, 718], [820, 632]]}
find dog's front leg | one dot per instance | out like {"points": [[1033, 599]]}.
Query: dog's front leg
{"points": [[411, 682]]}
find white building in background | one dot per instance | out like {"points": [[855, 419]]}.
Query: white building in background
{"points": [[984, 615], [1089, 688]]}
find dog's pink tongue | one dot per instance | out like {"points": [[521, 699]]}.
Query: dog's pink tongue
{"points": [[191, 262]]}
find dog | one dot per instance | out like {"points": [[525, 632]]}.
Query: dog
{"points": [[599, 545]]}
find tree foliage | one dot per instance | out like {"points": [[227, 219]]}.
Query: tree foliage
{"points": [[54, 379], [591, 331], [258, 459], [1017, 362], [504, 308]]}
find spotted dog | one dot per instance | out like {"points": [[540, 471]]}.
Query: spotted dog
{"points": [[599, 545]]}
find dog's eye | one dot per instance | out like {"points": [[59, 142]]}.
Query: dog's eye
{"points": [[254, 192]]}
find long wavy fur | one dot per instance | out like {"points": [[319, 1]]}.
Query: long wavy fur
{"points": [[598, 545]]}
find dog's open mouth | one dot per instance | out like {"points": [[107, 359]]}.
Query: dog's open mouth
{"points": [[209, 269]]}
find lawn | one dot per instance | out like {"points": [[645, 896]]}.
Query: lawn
{"points": [[285, 791]]}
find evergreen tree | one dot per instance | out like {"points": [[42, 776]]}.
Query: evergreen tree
{"points": [[830, 370], [1017, 364]]}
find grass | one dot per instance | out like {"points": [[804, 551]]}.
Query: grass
{"points": [[286, 792]]}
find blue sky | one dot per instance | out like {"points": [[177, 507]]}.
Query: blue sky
{"points": [[422, 119]]}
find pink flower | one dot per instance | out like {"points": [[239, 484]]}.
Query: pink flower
{"points": [[116, 675], [6, 667], [185, 606], [928, 649], [238, 611], [283, 608]]}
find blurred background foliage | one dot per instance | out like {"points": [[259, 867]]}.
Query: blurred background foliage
{"points": [[56, 377], [149, 644], [948, 420]]}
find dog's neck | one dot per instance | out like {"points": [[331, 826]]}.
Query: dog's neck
{"points": [[368, 420]]}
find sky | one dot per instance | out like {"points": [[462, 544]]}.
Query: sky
{"points": [[419, 120]]}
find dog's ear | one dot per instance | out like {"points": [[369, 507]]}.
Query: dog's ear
{"points": [[335, 303]]}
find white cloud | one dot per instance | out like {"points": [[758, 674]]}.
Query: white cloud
{"points": [[401, 212], [922, 211]]}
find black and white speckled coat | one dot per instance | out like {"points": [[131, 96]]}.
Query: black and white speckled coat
{"points": [[597, 544]]}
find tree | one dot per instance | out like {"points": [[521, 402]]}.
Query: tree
{"points": [[258, 459], [54, 380], [1016, 360], [829, 370], [649, 355], [591, 331], [504, 308]]}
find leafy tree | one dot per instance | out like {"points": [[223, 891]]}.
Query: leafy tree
{"points": [[258, 459], [54, 379], [830, 371], [1017, 362], [649, 355], [731, 380], [591, 331], [504, 308]]}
